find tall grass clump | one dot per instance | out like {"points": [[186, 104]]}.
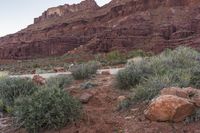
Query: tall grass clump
{"points": [[12, 88], [49, 108], [170, 68], [84, 71]]}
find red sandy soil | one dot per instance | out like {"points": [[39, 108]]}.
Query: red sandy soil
{"points": [[101, 116]]}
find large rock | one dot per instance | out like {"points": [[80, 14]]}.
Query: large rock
{"points": [[169, 108], [85, 97], [189, 93]]}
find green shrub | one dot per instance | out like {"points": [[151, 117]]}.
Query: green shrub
{"points": [[123, 105], [60, 81], [137, 53], [36, 66], [46, 109], [84, 71], [115, 57], [151, 87], [2, 107], [170, 68], [195, 79], [132, 74], [12, 88]]}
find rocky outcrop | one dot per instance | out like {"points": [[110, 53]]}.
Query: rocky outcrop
{"points": [[151, 25], [67, 10]]}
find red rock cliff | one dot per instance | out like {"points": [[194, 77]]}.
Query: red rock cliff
{"points": [[121, 24]]}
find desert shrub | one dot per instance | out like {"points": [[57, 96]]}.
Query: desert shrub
{"points": [[99, 57], [123, 105], [1, 106], [12, 88], [195, 79], [84, 71], [40, 71], [60, 81], [137, 53], [115, 57], [36, 66], [151, 87], [46, 109], [170, 68], [133, 74]]}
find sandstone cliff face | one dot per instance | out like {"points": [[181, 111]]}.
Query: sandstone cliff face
{"points": [[67, 10], [151, 25]]}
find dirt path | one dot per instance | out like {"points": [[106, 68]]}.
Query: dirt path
{"points": [[112, 71]]}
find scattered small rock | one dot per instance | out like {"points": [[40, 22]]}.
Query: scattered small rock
{"points": [[129, 117], [87, 85], [134, 110], [85, 97], [39, 80], [33, 72]]}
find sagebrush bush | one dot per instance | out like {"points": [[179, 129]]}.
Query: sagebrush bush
{"points": [[195, 79], [124, 104], [46, 109], [170, 68], [137, 53], [12, 88], [1, 106], [84, 71], [151, 87], [115, 57], [133, 74], [60, 81]]}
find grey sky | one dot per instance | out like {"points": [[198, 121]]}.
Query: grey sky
{"points": [[17, 14]]}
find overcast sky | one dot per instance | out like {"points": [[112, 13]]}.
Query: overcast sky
{"points": [[17, 14]]}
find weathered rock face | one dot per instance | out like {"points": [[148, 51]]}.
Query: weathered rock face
{"points": [[151, 25], [67, 10]]}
